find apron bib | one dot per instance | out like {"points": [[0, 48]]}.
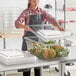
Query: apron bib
{"points": [[34, 20]]}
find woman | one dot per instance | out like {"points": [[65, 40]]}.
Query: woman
{"points": [[33, 15]]}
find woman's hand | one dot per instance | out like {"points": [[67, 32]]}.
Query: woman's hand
{"points": [[27, 28], [61, 29]]}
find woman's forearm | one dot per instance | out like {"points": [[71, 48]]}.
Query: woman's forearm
{"points": [[21, 26], [25, 27]]}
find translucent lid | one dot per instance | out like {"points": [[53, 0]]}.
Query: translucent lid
{"points": [[11, 53]]}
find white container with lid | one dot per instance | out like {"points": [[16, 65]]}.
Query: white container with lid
{"points": [[14, 56]]}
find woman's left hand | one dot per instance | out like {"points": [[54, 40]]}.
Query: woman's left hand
{"points": [[61, 29]]}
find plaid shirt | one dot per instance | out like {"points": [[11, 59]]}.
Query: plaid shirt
{"points": [[24, 16]]}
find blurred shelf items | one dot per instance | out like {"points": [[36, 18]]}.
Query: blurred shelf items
{"points": [[7, 20], [70, 9]]}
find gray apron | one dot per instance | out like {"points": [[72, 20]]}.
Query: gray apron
{"points": [[33, 22]]}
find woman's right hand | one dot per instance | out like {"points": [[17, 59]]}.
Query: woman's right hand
{"points": [[27, 28]]}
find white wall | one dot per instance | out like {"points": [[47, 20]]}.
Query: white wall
{"points": [[13, 3], [71, 3], [23, 3]]}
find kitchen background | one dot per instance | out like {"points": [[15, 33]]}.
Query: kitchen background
{"points": [[11, 9]]}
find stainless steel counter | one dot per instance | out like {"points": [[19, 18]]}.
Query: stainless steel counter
{"points": [[40, 63]]}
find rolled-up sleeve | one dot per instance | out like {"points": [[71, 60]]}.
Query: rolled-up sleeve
{"points": [[20, 19], [49, 18]]}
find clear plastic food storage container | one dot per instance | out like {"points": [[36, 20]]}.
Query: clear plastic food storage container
{"points": [[47, 49]]}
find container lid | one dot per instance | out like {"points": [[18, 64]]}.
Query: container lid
{"points": [[11, 53], [51, 34]]}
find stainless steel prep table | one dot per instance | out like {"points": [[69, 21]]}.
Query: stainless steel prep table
{"points": [[69, 59], [40, 63]]}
